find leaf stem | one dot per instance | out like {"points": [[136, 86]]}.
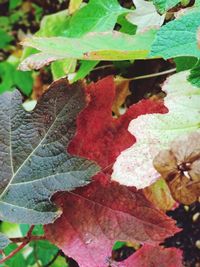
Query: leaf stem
{"points": [[24, 240], [14, 252], [54, 259], [150, 75]]}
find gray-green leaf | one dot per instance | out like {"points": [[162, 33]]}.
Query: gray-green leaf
{"points": [[4, 241], [34, 163]]}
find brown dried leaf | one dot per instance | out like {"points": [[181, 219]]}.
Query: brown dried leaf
{"points": [[122, 91], [159, 194], [180, 167]]}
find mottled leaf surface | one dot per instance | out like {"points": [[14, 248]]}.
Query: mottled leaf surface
{"points": [[33, 159], [134, 166]]}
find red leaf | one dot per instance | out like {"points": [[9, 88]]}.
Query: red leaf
{"points": [[100, 137], [154, 256], [94, 217]]}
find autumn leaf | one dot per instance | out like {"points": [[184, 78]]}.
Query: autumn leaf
{"points": [[33, 159], [180, 167], [154, 132], [149, 256], [122, 91], [105, 136], [159, 194], [96, 216]]}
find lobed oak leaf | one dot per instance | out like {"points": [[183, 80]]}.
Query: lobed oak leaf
{"points": [[96, 216], [180, 167], [154, 256], [134, 166], [34, 163]]}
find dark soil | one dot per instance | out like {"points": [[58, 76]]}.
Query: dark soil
{"points": [[188, 240]]}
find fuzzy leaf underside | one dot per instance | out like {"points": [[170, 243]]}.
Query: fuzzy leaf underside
{"points": [[33, 159]]}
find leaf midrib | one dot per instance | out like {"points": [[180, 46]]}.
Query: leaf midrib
{"points": [[30, 155]]}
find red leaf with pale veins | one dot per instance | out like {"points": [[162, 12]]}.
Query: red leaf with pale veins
{"points": [[154, 256], [94, 217]]}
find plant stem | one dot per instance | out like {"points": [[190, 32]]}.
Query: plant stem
{"points": [[14, 252], [54, 258], [103, 67], [150, 75], [25, 238]]}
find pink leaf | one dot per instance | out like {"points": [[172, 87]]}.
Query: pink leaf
{"points": [[154, 256]]}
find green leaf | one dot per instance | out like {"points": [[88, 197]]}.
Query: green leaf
{"points": [[94, 46], [18, 260], [63, 67], [97, 16], [4, 23], [14, 3], [145, 16], [10, 229], [185, 63], [5, 39], [194, 76], [84, 70], [44, 250], [178, 38], [51, 25], [11, 77], [164, 5], [54, 25], [60, 262], [154, 132], [126, 26], [74, 5], [33, 159], [6, 78], [4, 241]]}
